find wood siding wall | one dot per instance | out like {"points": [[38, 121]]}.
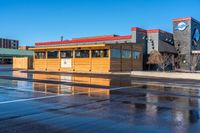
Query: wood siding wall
{"points": [[127, 64], [90, 64], [22, 63]]}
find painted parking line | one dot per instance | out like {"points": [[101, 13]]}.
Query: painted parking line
{"points": [[30, 99], [25, 90], [59, 95]]}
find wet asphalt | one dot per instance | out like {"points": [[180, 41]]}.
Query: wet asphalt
{"points": [[38, 102]]}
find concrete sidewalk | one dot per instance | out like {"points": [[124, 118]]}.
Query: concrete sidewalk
{"points": [[173, 75], [152, 74]]}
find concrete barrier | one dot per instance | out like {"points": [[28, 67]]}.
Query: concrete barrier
{"points": [[173, 75]]}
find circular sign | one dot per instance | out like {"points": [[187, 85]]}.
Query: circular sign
{"points": [[181, 26]]}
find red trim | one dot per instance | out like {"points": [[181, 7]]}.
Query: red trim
{"points": [[136, 28], [157, 31], [84, 40], [147, 31], [153, 31], [182, 19]]}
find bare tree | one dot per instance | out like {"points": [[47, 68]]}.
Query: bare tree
{"points": [[162, 60], [195, 60]]}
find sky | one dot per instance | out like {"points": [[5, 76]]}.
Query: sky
{"points": [[31, 21]]}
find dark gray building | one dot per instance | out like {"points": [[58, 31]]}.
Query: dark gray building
{"points": [[9, 43], [154, 40], [187, 39]]}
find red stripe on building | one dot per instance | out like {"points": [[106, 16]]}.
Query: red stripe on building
{"points": [[157, 31], [153, 31], [182, 19], [148, 31], [85, 40], [137, 29]]}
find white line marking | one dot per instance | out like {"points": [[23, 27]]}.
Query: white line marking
{"points": [[25, 90], [46, 97], [32, 99]]}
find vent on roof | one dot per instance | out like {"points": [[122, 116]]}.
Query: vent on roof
{"points": [[62, 38]]}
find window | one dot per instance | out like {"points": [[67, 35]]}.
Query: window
{"points": [[126, 54], [136, 55], [40, 55], [52, 54], [66, 54], [100, 53], [115, 53], [82, 53]]}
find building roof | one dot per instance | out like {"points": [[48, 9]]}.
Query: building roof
{"points": [[68, 47], [85, 40], [5, 52], [106, 39]]}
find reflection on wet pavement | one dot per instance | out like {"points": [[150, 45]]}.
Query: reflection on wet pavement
{"points": [[92, 103]]}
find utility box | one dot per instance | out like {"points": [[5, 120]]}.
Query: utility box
{"points": [[22, 63]]}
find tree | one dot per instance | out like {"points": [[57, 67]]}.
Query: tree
{"points": [[195, 60], [162, 60]]}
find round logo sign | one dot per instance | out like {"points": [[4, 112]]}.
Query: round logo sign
{"points": [[181, 26]]}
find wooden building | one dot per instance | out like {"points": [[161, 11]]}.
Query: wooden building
{"points": [[22, 63], [89, 58]]}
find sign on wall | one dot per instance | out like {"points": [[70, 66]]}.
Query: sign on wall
{"points": [[66, 63], [181, 26], [196, 37]]}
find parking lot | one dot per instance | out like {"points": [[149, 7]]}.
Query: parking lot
{"points": [[53, 102]]}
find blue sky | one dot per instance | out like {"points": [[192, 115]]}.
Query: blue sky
{"points": [[33, 21]]}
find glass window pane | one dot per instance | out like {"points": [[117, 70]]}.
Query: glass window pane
{"points": [[126, 54], [40, 55], [115, 53], [136, 55], [82, 53], [100, 53], [52, 54], [66, 54]]}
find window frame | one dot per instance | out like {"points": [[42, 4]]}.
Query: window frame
{"points": [[138, 53], [105, 53], [66, 54], [81, 54], [116, 55], [127, 54], [52, 57], [38, 55]]}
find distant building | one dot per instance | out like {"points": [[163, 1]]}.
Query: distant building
{"points": [[24, 47], [9, 43]]}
